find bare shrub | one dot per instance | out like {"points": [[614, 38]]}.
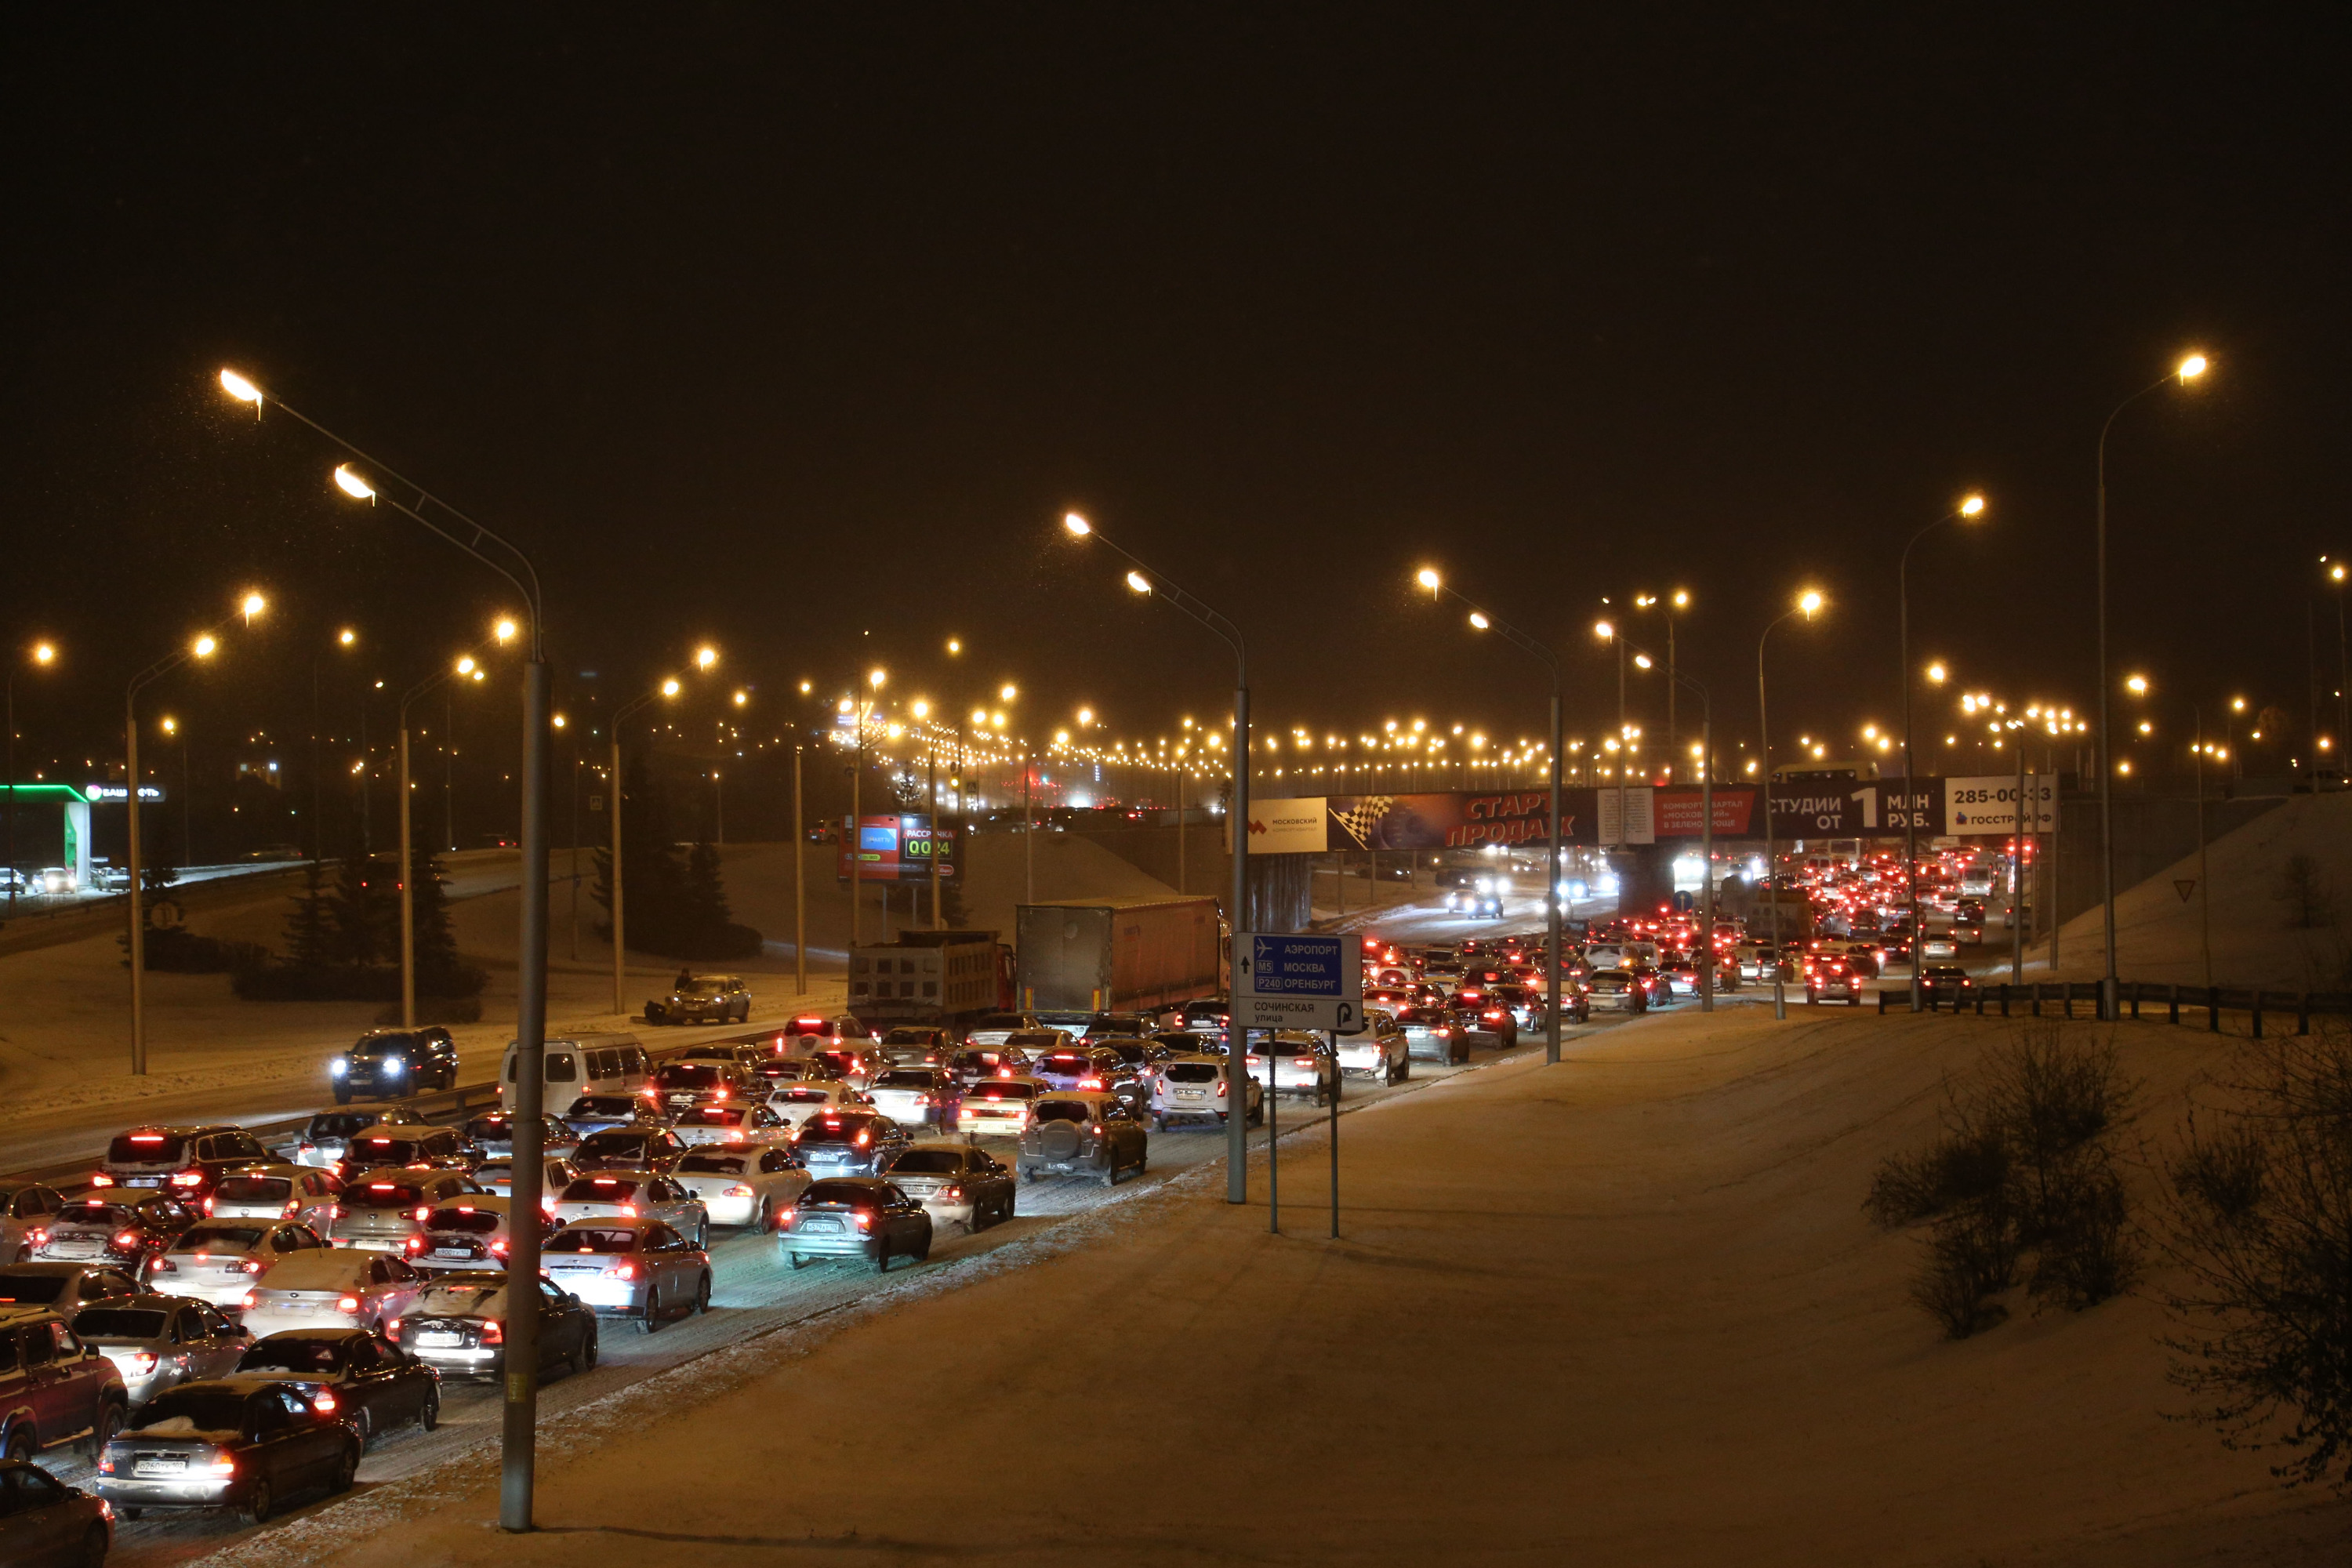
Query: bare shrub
{"points": [[1971, 1257], [2084, 1249], [1966, 1163], [2260, 1213]]}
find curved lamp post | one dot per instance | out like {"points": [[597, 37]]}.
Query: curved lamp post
{"points": [[1142, 580], [1482, 620], [1973, 507], [1674, 677], [468, 667]]}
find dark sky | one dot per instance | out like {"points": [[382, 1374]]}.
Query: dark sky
{"points": [[788, 326]]}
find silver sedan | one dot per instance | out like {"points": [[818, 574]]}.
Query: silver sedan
{"points": [[161, 1342]]}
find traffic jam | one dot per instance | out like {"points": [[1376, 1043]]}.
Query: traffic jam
{"points": [[225, 1322]]}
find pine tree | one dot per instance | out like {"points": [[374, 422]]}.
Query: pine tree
{"points": [[436, 937], [704, 915], [311, 939], [362, 912]]}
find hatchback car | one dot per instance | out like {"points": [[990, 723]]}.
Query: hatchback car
{"points": [[1193, 1088], [459, 1326], [299, 1193], [1833, 978], [868, 1219], [384, 1211], [334, 1288], [1089, 1133], [126, 1230], [45, 1523], [357, 1373], [492, 1136], [391, 1063], [25, 1209], [473, 1232], [918, 1096], [161, 1342], [219, 1260], [975, 1063], [960, 1186], [328, 1138], [794, 1104], [1381, 1053], [232, 1442], [848, 1142], [1947, 983], [1088, 1067], [182, 1160], [1617, 990], [745, 1186], [635, 1194], [1295, 1062], [918, 1045], [66, 1287], [54, 1388], [635, 1269], [678, 1085], [650, 1146], [999, 1107], [415, 1148], [593, 1113], [740, 1125]]}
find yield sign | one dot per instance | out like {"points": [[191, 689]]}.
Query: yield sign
{"points": [[2184, 886]]}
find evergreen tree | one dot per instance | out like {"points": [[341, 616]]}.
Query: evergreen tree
{"points": [[704, 915], [655, 872], [310, 937], [362, 913], [436, 937]]}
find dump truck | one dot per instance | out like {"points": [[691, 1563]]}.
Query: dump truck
{"points": [[1093, 955], [942, 977]]}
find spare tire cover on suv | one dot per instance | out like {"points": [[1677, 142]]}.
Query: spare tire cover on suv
{"points": [[1059, 1140]]}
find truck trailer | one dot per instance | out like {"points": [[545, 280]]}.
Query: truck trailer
{"points": [[942, 977], [1088, 955]]}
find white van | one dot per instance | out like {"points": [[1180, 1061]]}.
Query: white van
{"points": [[585, 1064]]}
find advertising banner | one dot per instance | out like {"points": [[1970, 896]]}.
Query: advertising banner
{"points": [[895, 849], [1459, 820], [1677, 813], [1627, 814], [1297, 825], [1988, 804]]}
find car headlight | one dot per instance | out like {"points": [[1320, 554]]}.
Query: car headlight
{"points": [[338, 1067], [395, 1065]]}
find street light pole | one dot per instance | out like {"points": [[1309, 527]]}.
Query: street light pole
{"points": [[1706, 821], [1482, 621], [1972, 507], [2187, 370], [465, 665], [1808, 606], [1142, 579], [518, 1436]]}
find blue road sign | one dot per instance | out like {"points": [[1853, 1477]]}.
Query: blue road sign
{"points": [[1301, 982]]}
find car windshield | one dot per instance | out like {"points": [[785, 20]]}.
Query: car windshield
{"points": [[1063, 1111], [117, 1324], [340, 1123], [94, 1213], [1065, 1062], [1002, 1090], [385, 1151], [600, 1190], [622, 1105], [715, 1116], [836, 1130], [271, 1190], [461, 1298], [806, 1096], [1126, 1050], [929, 1162], [198, 1237], [1039, 1040], [590, 1239], [699, 988], [382, 1196], [489, 1129], [477, 1222], [906, 1077], [145, 1149], [288, 1353], [711, 1166], [910, 1037], [193, 1410], [689, 1075], [1190, 1072], [613, 1142], [849, 1193]]}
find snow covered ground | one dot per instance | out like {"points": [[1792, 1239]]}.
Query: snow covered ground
{"points": [[1624, 1310]]}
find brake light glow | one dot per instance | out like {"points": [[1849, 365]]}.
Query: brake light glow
{"points": [[494, 1332], [865, 1220], [221, 1468], [324, 1399], [187, 1178], [102, 1180], [126, 1239], [348, 1304], [146, 1137], [622, 1270]]}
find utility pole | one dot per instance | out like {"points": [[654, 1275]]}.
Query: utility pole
{"points": [[799, 883]]}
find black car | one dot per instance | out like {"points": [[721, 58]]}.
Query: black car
{"points": [[1078, 1068], [1138, 1058], [186, 1161], [124, 1229], [918, 1046], [849, 1143], [458, 1324], [392, 1062], [353, 1372], [45, 1523], [1946, 982], [492, 1136], [416, 1148], [243, 1443], [593, 1113], [868, 1218], [1086, 1133], [652, 1147]]}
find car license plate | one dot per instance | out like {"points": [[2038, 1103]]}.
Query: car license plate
{"points": [[453, 1252], [1191, 1093], [165, 1464], [143, 1182], [439, 1338], [822, 1224]]}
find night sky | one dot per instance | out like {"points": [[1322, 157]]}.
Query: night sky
{"points": [[798, 329]]}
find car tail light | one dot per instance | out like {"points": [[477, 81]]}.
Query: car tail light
{"points": [[413, 1244], [1221, 1086], [1089, 1083], [224, 1466], [391, 1328], [784, 1220], [625, 1269], [102, 1180], [324, 1399], [628, 1211], [141, 1361], [106, 1468], [497, 1250], [248, 1266], [865, 1220], [245, 1301], [495, 1332], [208, 1204], [162, 1265], [127, 1238], [864, 1137], [187, 1178], [1302, 1062]]}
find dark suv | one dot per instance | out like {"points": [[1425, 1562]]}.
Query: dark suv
{"points": [[419, 1148], [389, 1063], [53, 1388], [184, 1161]]}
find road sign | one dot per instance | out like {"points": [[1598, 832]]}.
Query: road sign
{"points": [[1300, 982], [2184, 886]]}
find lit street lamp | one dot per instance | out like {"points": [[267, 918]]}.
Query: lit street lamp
{"points": [[704, 660], [1142, 580], [518, 1433], [1808, 604], [42, 656], [2187, 370], [1481, 620], [1973, 507], [203, 646], [466, 667]]}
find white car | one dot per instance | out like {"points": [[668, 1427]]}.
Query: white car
{"points": [[999, 1107], [741, 1124], [744, 1186], [917, 1097], [300, 1193], [797, 1102], [1381, 1053], [635, 1194], [497, 1177], [1193, 1085], [1294, 1062], [220, 1261], [334, 1288]]}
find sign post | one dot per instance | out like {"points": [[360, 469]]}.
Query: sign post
{"points": [[1296, 982]]}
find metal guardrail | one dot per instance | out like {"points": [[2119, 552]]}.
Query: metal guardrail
{"points": [[456, 1102], [2139, 997]]}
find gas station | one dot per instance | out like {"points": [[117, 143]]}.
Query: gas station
{"points": [[32, 800]]}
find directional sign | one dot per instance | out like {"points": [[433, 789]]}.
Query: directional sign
{"points": [[1300, 982]]}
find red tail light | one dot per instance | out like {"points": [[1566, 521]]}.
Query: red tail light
{"points": [[622, 1270], [127, 1238], [497, 1250], [208, 1206], [102, 1180], [347, 1304], [324, 1399], [1221, 1086], [494, 1332], [865, 1220], [187, 1178], [1090, 1083], [250, 1266], [1302, 1062]]}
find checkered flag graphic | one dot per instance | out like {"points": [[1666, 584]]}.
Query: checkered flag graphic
{"points": [[1358, 820]]}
